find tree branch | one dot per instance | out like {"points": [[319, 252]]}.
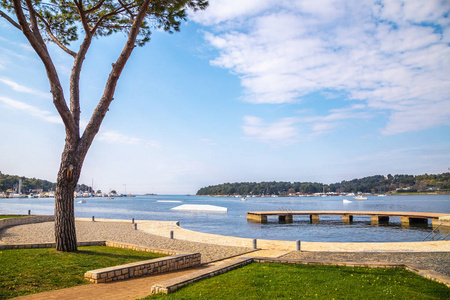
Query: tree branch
{"points": [[100, 111], [126, 8], [14, 23], [41, 50], [95, 7], [82, 14], [75, 79], [34, 25], [54, 39], [99, 22]]}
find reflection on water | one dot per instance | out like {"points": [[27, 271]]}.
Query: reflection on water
{"points": [[234, 222]]}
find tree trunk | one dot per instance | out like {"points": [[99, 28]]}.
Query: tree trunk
{"points": [[69, 172]]}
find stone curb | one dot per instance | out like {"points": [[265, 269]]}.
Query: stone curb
{"points": [[171, 285]]}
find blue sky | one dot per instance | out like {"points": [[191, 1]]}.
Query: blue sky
{"points": [[249, 90]]}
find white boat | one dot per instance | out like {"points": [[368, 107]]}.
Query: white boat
{"points": [[82, 201], [201, 207], [345, 201], [381, 195], [360, 197], [16, 195], [243, 199]]}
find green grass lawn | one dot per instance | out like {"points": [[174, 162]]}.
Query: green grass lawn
{"points": [[10, 217], [29, 271], [278, 281]]}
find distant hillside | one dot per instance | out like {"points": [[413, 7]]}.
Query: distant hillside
{"points": [[371, 184], [11, 182]]}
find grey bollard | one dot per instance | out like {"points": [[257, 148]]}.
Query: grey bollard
{"points": [[298, 245], [254, 243], [171, 234], [29, 212], [132, 221], [93, 219], [135, 226]]}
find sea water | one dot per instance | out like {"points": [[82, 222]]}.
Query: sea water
{"points": [[234, 221]]}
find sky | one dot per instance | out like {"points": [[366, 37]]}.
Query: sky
{"points": [[252, 90]]}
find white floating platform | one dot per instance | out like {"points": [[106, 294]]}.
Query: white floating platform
{"points": [[168, 201], [199, 207]]}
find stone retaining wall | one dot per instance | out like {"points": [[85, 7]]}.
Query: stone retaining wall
{"points": [[171, 285], [25, 220], [144, 268]]}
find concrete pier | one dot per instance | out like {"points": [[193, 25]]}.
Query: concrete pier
{"points": [[376, 217]]}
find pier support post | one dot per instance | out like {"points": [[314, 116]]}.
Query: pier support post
{"points": [[285, 218], [407, 221], [314, 219], [347, 219], [375, 220], [256, 218]]}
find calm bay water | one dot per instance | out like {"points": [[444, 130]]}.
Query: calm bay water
{"points": [[234, 222]]}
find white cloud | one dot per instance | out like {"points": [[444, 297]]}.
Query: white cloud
{"points": [[23, 89], [301, 127], [226, 10], [378, 52], [325, 124], [280, 131], [31, 110], [115, 137]]}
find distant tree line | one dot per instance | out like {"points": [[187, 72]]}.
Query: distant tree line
{"points": [[371, 184], [11, 182]]}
